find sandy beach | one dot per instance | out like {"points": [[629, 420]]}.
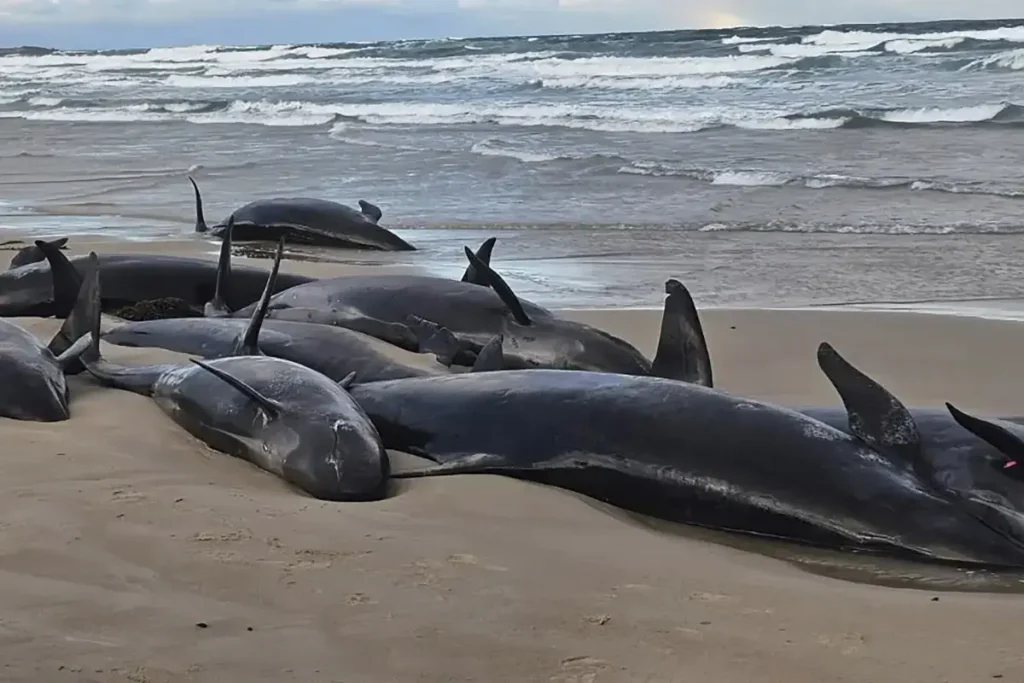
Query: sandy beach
{"points": [[129, 551]]}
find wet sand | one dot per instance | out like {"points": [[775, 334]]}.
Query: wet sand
{"points": [[131, 552]]}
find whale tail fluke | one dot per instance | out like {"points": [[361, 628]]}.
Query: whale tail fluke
{"points": [[497, 283], [682, 348], [484, 255], [200, 219], [34, 254], [66, 279]]}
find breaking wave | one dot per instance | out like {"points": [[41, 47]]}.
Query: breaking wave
{"points": [[595, 117], [817, 181]]}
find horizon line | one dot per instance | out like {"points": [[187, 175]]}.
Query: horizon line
{"points": [[719, 29]]}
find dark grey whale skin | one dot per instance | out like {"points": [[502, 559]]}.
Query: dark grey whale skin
{"points": [[333, 351], [532, 336], [980, 460], [130, 278], [960, 460], [304, 220], [686, 453], [280, 416], [33, 383], [34, 254]]}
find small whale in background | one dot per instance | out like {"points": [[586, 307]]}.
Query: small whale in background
{"points": [[304, 220]]}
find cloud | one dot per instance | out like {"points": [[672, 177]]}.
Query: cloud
{"points": [[113, 23]]}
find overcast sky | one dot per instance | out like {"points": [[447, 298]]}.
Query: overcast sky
{"points": [[146, 23]]}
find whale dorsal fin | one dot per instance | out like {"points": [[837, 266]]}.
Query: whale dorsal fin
{"points": [[200, 219], [491, 356], [371, 211], [682, 349], [484, 254], [269, 405], [434, 338], [1006, 437], [247, 343], [500, 287], [876, 417], [347, 380], [217, 307]]}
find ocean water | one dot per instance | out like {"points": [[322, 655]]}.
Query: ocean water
{"points": [[780, 166]]}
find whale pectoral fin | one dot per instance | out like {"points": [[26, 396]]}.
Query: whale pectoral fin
{"points": [[394, 333], [1006, 437], [876, 417], [247, 343], [347, 380], [371, 211], [501, 288], [217, 307], [268, 405], [69, 359], [484, 254], [491, 356], [476, 463], [995, 517], [682, 349], [434, 338]]}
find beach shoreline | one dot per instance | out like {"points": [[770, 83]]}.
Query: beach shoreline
{"points": [[540, 279], [129, 551]]}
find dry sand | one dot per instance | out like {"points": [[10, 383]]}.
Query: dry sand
{"points": [[131, 552]]}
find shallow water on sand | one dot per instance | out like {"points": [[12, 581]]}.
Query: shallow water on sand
{"points": [[819, 165]]}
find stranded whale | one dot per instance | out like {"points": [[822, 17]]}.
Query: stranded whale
{"points": [[280, 416], [306, 221]]}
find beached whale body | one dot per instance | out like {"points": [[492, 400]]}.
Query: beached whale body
{"points": [[32, 375], [304, 220], [129, 279], [280, 416], [683, 452], [979, 459], [533, 337], [334, 351], [32, 382]]}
